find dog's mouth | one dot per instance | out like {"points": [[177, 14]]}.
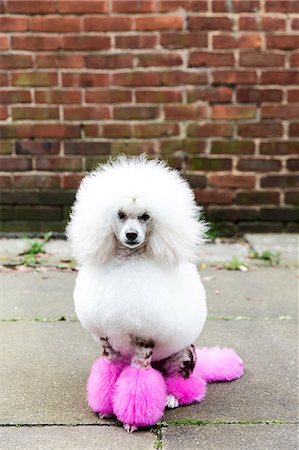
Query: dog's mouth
{"points": [[131, 244]]}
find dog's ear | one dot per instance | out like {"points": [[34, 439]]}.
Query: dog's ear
{"points": [[89, 241], [171, 244]]}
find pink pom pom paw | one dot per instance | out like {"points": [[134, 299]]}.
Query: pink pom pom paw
{"points": [[139, 397], [185, 390], [100, 385], [218, 364]]}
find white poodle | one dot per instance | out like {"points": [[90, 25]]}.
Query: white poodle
{"points": [[135, 232]]}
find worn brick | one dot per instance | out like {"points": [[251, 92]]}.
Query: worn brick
{"points": [[285, 6], [34, 147], [4, 44], [59, 60], [279, 147], [16, 61], [209, 164], [134, 7], [116, 61], [34, 79], [209, 130], [135, 112], [204, 58], [234, 77], [232, 181], [136, 79], [159, 59], [34, 113], [261, 59], [236, 6], [179, 77], [3, 79], [259, 165], [184, 40], [59, 164], [188, 5], [233, 112], [233, 147], [108, 96], [262, 23], [71, 181], [15, 96], [86, 113], [158, 96], [266, 129], [87, 148], [282, 181], [253, 95], [6, 147], [211, 95], [58, 96], [232, 214], [87, 79], [209, 23], [37, 181], [294, 59], [230, 41], [257, 198], [15, 164]]}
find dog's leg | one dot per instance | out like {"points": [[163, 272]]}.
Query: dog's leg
{"points": [[108, 350], [181, 363], [143, 350]]}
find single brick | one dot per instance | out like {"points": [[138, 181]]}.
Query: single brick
{"points": [[134, 7], [15, 164], [233, 112], [292, 197], [282, 181], [293, 164], [257, 198], [59, 164], [87, 79], [55, 130], [116, 130], [233, 147], [87, 148], [279, 147], [159, 59], [178, 77], [259, 165], [183, 39], [119, 61], [162, 22], [260, 227], [3, 112], [55, 24], [32, 213], [189, 5], [86, 113], [259, 95], [195, 180], [280, 111], [236, 6], [5, 181], [86, 42], [231, 41], [280, 77], [71, 181], [232, 215], [136, 79], [86, 7], [234, 77], [151, 130], [211, 95], [39, 181], [209, 23], [294, 60], [14, 23], [4, 44], [209, 130], [262, 23], [185, 112], [34, 79], [3, 79], [33, 147], [201, 58], [285, 6], [11, 131], [59, 60], [136, 41], [282, 42], [108, 96], [158, 96], [231, 181], [36, 42], [217, 197], [295, 23], [16, 61], [265, 129], [58, 96], [280, 214], [209, 164], [34, 113], [133, 147], [294, 129], [6, 147], [261, 59], [108, 23], [15, 96], [135, 112], [30, 7]]}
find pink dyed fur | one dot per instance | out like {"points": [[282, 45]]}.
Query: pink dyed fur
{"points": [[100, 385], [218, 364], [213, 364], [187, 391], [139, 396]]}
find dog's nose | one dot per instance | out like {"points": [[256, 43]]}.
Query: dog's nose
{"points": [[131, 235]]}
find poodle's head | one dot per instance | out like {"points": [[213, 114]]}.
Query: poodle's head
{"points": [[135, 205]]}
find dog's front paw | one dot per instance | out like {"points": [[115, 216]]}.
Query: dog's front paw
{"points": [[130, 428]]}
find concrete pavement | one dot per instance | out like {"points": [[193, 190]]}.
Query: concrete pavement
{"points": [[46, 356]]}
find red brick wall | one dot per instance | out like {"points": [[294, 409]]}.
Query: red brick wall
{"points": [[210, 85]]}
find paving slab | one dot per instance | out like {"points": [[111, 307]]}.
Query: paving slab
{"points": [[262, 292], [75, 438], [228, 437], [45, 367], [220, 252], [286, 244], [34, 295], [13, 247]]}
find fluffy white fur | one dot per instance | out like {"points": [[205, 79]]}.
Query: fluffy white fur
{"points": [[155, 293]]}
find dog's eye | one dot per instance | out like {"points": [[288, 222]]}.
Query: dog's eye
{"points": [[144, 217], [121, 215]]}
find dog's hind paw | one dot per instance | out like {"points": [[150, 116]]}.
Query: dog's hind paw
{"points": [[130, 428], [171, 402]]}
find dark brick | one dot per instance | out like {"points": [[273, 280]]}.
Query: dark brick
{"points": [[232, 214], [87, 148], [232, 147], [293, 164], [257, 198], [212, 164], [281, 181], [30, 213], [259, 165], [33, 147], [260, 227], [280, 214], [279, 147], [292, 197], [59, 164], [6, 147], [195, 180]]}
